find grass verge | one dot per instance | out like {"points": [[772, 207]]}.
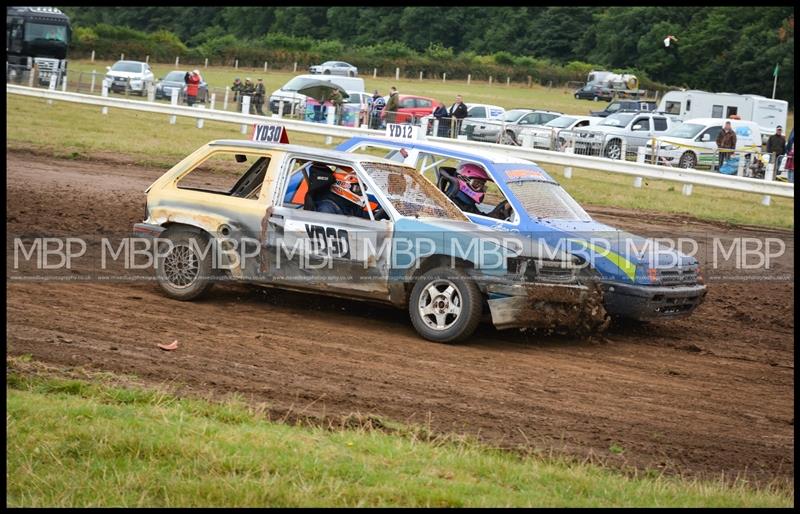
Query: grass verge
{"points": [[96, 443], [148, 139]]}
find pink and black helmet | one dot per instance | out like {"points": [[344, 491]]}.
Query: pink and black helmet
{"points": [[472, 181]]}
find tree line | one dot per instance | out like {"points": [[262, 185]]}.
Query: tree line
{"points": [[731, 49]]}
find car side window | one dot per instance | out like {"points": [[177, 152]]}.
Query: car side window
{"points": [[230, 173], [407, 103], [527, 119], [478, 112], [660, 124], [642, 123], [713, 132], [424, 103]]}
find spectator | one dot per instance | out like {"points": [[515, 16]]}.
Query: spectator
{"points": [[236, 88], [389, 113], [790, 157], [337, 101], [258, 96], [192, 83], [442, 115], [458, 111], [726, 143], [776, 144], [247, 90], [378, 103]]}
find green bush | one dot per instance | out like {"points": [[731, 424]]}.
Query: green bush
{"points": [[503, 57]]}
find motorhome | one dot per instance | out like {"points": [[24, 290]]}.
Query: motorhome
{"points": [[768, 113]]}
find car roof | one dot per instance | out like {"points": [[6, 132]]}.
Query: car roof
{"points": [[490, 155], [317, 152]]}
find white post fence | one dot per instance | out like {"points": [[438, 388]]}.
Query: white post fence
{"points": [[245, 110], [225, 100], [469, 78], [444, 77], [91, 85], [567, 160], [397, 73], [213, 101], [104, 94], [174, 101], [177, 60], [199, 119], [236, 64], [92, 55], [330, 120]]}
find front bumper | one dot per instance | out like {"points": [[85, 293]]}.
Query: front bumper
{"points": [[651, 302], [548, 306]]}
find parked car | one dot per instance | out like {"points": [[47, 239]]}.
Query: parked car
{"points": [[693, 143], [334, 68], [175, 80], [632, 128], [643, 285], [128, 75], [504, 129], [412, 108], [486, 111], [547, 135], [248, 211], [625, 105], [594, 92], [510, 133]]}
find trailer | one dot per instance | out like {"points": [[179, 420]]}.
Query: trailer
{"points": [[768, 113]]}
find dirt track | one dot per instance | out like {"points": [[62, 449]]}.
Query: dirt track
{"points": [[704, 395]]}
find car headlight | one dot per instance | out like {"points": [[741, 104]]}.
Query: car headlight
{"points": [[669, 147]]}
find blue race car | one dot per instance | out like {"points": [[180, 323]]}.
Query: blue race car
{"points": [[640, 279]]}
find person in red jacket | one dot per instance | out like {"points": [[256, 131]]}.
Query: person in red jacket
{"points": [[192, 83]]}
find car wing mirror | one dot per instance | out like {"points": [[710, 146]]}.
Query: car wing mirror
{"points": [[706, 137], [637, 127], [240, 157], [108, 68]]}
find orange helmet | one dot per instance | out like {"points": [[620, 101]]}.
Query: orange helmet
{"points": [[347, 187]]}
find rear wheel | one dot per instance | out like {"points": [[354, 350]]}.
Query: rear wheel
{"points": [[445, 305], [688, 160], [184, 270], [577, 96]]}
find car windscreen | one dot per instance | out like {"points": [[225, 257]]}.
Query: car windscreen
{"points": [[410, 193], [175, 76], [34, 31], [133, 67], [560, 122], [547, 200], [298, 83], [513, 115], [685, 130], [617, 120]]}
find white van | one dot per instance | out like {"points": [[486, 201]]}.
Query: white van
{"points": [[768, 113], [693, 143], [289, 96]]}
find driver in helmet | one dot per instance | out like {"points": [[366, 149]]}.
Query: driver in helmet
{"points": [[344, 197], [472, 189]]}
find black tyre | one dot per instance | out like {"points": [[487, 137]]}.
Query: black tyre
{"points": [[614, 149], [326, 72], [185, 272], [688, 160], [351, 74], [577, 96], [445, 305], [507, 138]]}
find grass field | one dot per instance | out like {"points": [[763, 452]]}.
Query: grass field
{"points": [[111, 442], [149, 139]]}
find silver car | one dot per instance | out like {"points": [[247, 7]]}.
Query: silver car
{"points": [[334, 68], [505, 128]]}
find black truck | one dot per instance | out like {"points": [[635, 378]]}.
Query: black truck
{"points": [[36, 36]]}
